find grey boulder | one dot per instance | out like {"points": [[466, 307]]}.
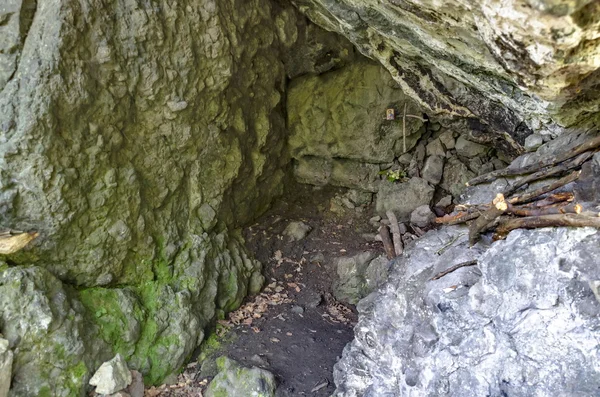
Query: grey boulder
{"points": [[112, 376], [469, 149], [359, 275], [433, 169], [422, 216], [523, 322], [403, 198]]}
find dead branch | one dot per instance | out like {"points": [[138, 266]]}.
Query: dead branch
{"points": [[590, 145], [545, 189], [457, 219], [384, 232], [452, 269], [534, 222], [548, 172], [548, 210], [483, 222], [396, 235], [552, 199]]}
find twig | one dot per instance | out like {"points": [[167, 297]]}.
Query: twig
{"points": [[459, 218], [544, 189], [449, 243], [552, 199], [534, 222], [453, 268], [384, 232], [592, 144], [404, 130], [396, 236]]}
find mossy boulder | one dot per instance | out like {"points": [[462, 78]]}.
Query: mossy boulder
{"points": [[234, 380]]}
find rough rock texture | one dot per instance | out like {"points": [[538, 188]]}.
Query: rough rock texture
{"points": [[54, 346], [359, 275], [112, 376], [338, 131], [234, 380], [6, 360], [509, 66], [524, 322], [403, 198], [135, 137]]}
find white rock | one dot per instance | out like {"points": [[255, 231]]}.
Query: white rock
{"points": [[112, 376], [6, 359], [296, 231]]}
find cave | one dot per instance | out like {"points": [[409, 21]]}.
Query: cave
{"points": [[299, 197]]}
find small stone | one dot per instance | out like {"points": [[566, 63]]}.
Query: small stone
{"points": [[296, 231], [112, 376], [6, 360], [422, 216], [359, 198], [433, 169], [533, 142], [374, 221], [120, 394], [260, 361], [404, 160], [136, 388], [317, 258], [469, 149], [447, 140], [402, 228], [369, 236], [313, 300], [435, 148], [297, 309], [444, 201]]}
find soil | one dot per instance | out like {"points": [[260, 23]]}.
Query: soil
{"points": [[295, 328]]}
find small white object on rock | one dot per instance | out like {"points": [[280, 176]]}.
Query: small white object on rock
{"points": [[112, 376], [296, 231], [177, 106], [422, 216], [533, 141], [6, 360]]}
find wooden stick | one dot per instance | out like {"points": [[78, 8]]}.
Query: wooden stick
{"points": [[534, 222], [548, 172], [552, 199], [544, 189], [457, 219], [549, 210], [591, 144], [404, 130], [384, 232], [453, 268], [498, 208], [396, 235]]}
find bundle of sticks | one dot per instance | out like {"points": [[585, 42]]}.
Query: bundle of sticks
{"points": [[542, 207]]}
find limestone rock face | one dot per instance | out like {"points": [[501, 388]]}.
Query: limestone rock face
{"points": [[525, 323], [135, 138], [515, 66], [46, 329], [338, 130]]}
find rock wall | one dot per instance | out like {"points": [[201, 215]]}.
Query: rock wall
{"points": [[506, 68], [523, 322], [135, 137]]}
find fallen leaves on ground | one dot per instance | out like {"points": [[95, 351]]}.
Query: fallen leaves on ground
{"points": [[272, 295], [338, 313]]}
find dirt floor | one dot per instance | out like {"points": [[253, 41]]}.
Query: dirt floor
{"points": [[294, 328]]}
